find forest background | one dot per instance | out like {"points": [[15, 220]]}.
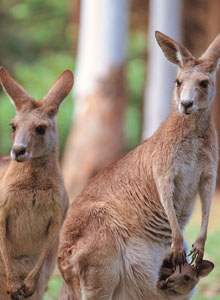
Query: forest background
{"points": [[39, 39]]}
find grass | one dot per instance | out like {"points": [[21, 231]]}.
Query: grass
{"points": [[54, 287], [209, 287]]}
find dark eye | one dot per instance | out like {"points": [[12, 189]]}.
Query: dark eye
{"points": [[178, 83], [41, 129], [204, 84], [186, 278], [13, 127]]}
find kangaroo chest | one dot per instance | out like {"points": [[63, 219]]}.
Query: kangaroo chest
{"points": [[188, 164], [27, 221]]}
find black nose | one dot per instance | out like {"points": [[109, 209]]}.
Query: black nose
{"points": [[19, 150], [187, 104]]}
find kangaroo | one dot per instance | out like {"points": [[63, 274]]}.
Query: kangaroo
{"points": [[133, 213], [183, 283], [33, 200]]}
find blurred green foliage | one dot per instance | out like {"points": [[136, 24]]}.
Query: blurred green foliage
{"points": [[36, 46], [32, 28], [135, 75], [54, 288]]}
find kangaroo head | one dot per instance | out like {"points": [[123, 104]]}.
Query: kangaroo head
{"points": [[195, 81], [34, 132], [183, 282]]}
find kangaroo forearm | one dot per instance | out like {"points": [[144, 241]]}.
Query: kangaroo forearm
{"points": [[4, 251], [52, 236], [206, 191]]}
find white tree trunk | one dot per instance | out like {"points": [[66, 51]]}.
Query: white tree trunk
{"points": [[102, 42], [96, 138], [165, 16]]}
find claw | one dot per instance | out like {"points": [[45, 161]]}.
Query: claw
{"points": [[193, 258], [197, 252], [199, 258], [180, 267], [178, 260], [14, 296], [25, 292], [183, 261]]}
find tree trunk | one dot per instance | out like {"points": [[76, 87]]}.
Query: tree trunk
{"points": [[195, 20], [165, 16], [201, 25], [96, 138], [73, 24]]}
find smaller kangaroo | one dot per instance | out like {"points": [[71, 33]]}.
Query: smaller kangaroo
{"points": [[178, 283], [33, 200]]}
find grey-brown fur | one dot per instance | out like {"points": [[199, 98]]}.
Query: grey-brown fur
{"points": [[133, 213], [33, 200]]}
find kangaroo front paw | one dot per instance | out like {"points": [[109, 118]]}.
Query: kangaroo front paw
{"points": [[13, 288], [178, 256], [30, 284], [197, 252], [27, 289], [14, 295]]}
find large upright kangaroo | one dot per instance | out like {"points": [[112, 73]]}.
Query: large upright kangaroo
{"points": [[33, 200], [133, 213]]}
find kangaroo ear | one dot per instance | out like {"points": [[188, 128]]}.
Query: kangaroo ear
{"points": [[174, 51], [204, 268], [18, 96], [212, 54], [57, 93]]}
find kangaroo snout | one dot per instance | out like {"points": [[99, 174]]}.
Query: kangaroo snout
{"points": [[187, 104], [18, 152]]}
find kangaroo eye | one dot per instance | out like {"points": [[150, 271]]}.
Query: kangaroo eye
{"points": [[41, 129], [178, 83], [186, 278], [13, 127], [204, 84]]}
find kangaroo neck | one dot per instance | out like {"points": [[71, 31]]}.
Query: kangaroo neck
{"points": [[195, 124], [35, 171]]}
